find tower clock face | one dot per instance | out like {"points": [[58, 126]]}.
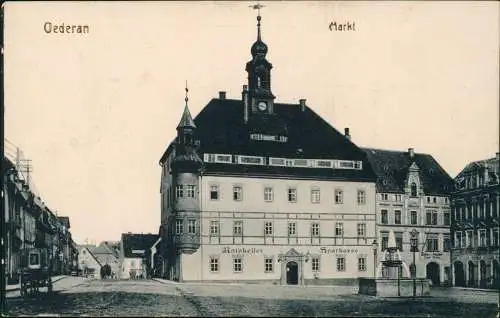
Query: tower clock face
{"points": [[262, 106]]}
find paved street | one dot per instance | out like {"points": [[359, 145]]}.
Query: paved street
{"points": [[79, 296]]}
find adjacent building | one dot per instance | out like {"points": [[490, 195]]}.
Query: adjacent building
{"points": [[474, 230], [135, 255], [261, 191], [413, 194], [31, 224]]}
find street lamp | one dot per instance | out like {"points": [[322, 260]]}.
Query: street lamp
{"points": [[414, 249], [375, 250]]}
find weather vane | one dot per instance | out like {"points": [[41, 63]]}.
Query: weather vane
{"points": [[257, 6], [186, 99]]}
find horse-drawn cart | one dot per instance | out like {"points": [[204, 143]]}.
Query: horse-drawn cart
{"points": [[36, 273]]}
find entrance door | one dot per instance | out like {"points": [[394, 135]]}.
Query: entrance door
{"points": [[433, 273], [472, 275], [459, 274], [292, 273], [482, 274]]}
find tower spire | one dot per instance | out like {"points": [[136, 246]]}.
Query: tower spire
{"points": [[186, 119], [258, 6]]}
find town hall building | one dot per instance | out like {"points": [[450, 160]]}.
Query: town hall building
{"points": [[254, 190]]}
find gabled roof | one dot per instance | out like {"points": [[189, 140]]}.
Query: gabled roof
{"points": [[102, 255], [137, 245], [392, 169], [221, 129]]}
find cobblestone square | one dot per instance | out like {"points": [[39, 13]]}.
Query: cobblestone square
{"points": [[79, 296]]}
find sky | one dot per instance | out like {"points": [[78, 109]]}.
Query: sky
{"points": [[95, 112]]}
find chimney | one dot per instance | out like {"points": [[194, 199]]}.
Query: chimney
{"points": [[497, 156], [244, 97], [222, 95], [411, 152], [302, 104], [346, 133]]}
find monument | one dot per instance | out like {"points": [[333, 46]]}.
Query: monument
{"points": [[392, 276]]}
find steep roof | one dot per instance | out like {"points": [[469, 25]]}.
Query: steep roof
{"points": [[221, 129], [133, 243], [102, 255], [392, 169], [186, 119]]}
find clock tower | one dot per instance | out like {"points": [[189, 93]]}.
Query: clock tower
{"points": [[260, 97]]}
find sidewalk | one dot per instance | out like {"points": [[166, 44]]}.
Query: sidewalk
{"points": [[165, 281], [476, 289], [16, 287]]}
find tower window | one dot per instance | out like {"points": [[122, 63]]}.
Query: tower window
{"points": [[190, 191], [192, 226], [259, 82], [413, 189], [179, 191], [179, 226]]}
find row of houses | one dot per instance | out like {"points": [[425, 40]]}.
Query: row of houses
{"points": [[133, 257], [260, 191], [32, 224]]}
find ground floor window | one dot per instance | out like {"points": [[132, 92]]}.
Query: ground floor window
{"points": [[362, 264], [237, 265], [268, 264], [315, 264], [340, 264], [214, 264]]}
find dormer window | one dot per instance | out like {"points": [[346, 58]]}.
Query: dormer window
{"points": [[413, 189]]}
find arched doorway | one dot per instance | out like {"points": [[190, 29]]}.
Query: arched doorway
{"points": [[459, 274], [432, 270], [472, 271], [292, 273], [482, 274]]}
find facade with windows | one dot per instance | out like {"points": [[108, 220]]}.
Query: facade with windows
{"points": [[474, 231], [255, 190], [413, 193]]}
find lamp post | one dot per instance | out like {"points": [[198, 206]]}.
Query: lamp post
{"points": [[414, 248], [375, 250]]}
